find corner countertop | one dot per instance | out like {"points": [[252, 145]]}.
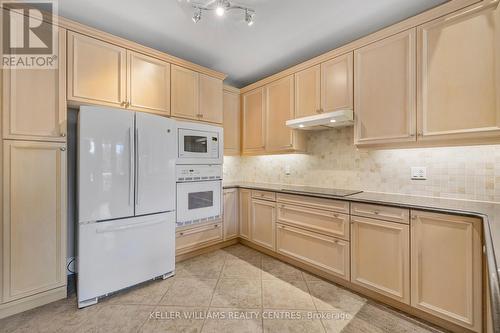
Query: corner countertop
{"points": [[489, 212]]}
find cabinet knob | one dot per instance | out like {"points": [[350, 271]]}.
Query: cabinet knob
{"points": [[123, 103], [376, 212], [181, 234], [63, 148], [412, 135], [127, 104], [63, 134], [419, 134]]}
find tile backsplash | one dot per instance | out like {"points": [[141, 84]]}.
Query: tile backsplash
{"points": [[332, 160]]}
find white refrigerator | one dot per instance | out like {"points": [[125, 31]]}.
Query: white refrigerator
{"points": [[126, 200]]}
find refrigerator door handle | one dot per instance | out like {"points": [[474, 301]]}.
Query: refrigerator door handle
{"points": [[131, 167], [137, 162], [128, 226]]}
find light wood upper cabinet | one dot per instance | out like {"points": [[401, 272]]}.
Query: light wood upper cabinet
{"points": [[231, 216], [446, 267], [263, 219], [231, 108], [459, 75], [34, 218], [210, 99], [245, 200], [185, 93], [308, 92], [336, 83], [384, 90], [279, 109], [254, 121], [96, 71], [380, 257], [34, 100], [148, 83]]}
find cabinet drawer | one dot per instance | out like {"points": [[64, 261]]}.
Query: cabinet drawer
{"points": [[321, 203], [386, 213], [264, 195], [323, 221], [191, 239], [323, 252]]}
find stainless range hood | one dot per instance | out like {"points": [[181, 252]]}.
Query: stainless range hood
{"points": [[323, 121]]}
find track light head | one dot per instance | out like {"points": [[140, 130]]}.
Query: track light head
{"points": [[196, 15], [249, 17]]}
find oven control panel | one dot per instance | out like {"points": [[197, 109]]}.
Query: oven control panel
{"points": [[197, 173]]}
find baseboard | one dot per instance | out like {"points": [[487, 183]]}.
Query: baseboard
{"points": [[31, 302], [206, 249]]}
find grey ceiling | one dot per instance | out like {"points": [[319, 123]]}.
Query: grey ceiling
{"points": [[286, 32]]}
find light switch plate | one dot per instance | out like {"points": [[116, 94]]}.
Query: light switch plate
{"points": [[419, 173]]}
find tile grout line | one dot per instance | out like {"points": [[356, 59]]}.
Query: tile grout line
{"points": [[314, 303], [213, 292]]}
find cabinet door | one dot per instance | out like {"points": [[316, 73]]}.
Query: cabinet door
{"points": [[326, 253], [231, 213], [96, 71], [384, 98], [34, 101], [263, 219], [446, 267], [279, 109], [185, 93], [380, 257], [254, 121], [148, 83], [231, 108], [245, 197], [210, 99], [459, 75], [336, 84], [34, 218], [307, 92]]}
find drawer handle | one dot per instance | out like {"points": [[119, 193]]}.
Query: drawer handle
{"points": [[181, 234], [216, 226], [376, 212], [336, 215]]}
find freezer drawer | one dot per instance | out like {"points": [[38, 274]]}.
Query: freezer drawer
{"points": [[117, 254]]}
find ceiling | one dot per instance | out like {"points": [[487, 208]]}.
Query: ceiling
{"points": [[285, 33]]}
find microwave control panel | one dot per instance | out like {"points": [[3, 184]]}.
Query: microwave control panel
{"points": [[196, 173]]}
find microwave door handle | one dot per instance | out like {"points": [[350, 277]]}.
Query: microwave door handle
{"points": [[131, 166], [137, 162]]}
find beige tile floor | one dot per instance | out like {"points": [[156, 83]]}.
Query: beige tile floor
{"points": [[235, 289]]}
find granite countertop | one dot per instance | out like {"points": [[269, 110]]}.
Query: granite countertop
{"points": [[489, 212]]}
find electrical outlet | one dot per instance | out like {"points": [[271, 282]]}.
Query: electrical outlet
{"points": [[287, 170], [419, 173]]}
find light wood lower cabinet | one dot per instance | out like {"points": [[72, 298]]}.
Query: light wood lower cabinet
{"points": [[34, 100], [187, 240], [380, 257], [263, 219], [323, 252], [459, 75], [34, 218], [96, 71], [231, 108], [384, 90], [446, 268], [148, 83], [231, 216], [245, 200]]}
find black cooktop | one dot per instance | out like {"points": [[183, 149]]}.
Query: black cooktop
{"points": [[334, 192]]}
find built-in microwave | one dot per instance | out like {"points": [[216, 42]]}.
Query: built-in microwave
{"points": [[199, 143]]}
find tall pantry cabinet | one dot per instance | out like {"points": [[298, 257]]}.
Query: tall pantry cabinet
{"points": [[33, 196]]}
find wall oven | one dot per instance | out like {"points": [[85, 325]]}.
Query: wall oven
{"points": [[199, 143], [199, 191]]}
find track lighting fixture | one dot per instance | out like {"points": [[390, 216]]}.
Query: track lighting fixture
{"points": [[220, 8]]}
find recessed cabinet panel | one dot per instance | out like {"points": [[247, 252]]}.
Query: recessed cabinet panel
{"points": [[148, 83], [279, 109], [446, 269], [231, 107], [336, 83], [380, 257], [34, 218], [184, 93], [254, 121], [308, 92], [384, 90], [459, 75], [245, 200], [34, 100], [96, 71], [231, 216], [210, 99], [263, 218]]}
